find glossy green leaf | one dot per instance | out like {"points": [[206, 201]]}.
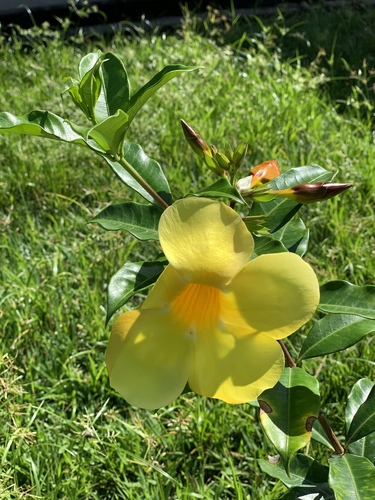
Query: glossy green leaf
{"points": [[115, 87], [289, 410], [109, 134], [279, 211], [294, 236], [341, 297], [255, 222], [139, 220], [333, 333], [221, 189], [87, 63], [132, 278], [363, 422], [365, 446], [303, 470], [266, 244], [320, 436], [89, 90], [352, 477], [144, 93], [146, 167], [40, 123]]}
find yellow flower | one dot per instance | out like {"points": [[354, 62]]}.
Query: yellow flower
{"points": [[212, 318]]}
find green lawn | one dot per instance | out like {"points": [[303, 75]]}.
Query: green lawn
{"points": [[64, 434]]}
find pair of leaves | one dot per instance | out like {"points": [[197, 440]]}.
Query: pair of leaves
{"points": [[351, 316]]}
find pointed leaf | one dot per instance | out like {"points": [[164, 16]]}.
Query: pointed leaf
{"points": [[139, 220], [109, 134], [146, 167], [221, 189], [115, 87], [363, 422], [87, 63], [280, 211], [289, 410], [40, 123], [302, 470], [294, 236], [341, 297], [143, 94], [132, 278], [352, 477], [333, 333], [365, 446]]}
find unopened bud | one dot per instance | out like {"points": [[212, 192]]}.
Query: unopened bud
{"points": [[309, 193], [221, 159], [195, 141], [264, 172], [239, 155]]}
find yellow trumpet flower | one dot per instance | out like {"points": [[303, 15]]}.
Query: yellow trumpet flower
{"points": [[214, 316]]}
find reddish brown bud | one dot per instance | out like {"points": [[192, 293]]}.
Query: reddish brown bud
{"points": [[197, 144], [309, 193]]}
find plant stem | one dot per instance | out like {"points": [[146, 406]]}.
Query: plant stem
{"points": [[131, 170], [330, 434], [288, 358]]}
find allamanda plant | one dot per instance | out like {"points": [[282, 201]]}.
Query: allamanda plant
{"points": [[229, 286]]}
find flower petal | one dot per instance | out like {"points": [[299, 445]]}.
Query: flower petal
{"points": [[167, 287], [234, 369], [274, 294], [148, 358], [204, 240]]}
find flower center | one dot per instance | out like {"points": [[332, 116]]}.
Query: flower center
{"points": [[198, 305]]}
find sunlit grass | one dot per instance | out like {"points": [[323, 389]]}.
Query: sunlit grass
{"points": [[64, 433]]}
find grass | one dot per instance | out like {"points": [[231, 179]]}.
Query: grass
{"points": [[64, 433]]}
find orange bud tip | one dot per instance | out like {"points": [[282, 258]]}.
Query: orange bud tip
{"points": [[264, 172]]}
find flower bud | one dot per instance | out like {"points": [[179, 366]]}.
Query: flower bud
{"points": [[264, 172], [315, 191], [195, 141], [221, 159], [239, 155]]}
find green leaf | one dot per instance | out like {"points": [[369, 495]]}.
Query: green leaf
{"points": [[352, 477], [255, 222], [115, 87], [146, 167], [333, 333], [139, 220], [87, 63], [289, 410], [341, 297], [40, 123], [109, 134], [132, 278], [302, 470], [363, 422], [294, 236], [365, 446], [279, 211], [266, 244], [150, 88], [221, 189]]}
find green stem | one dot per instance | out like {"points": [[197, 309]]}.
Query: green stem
{"points": [[131, 170]]}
